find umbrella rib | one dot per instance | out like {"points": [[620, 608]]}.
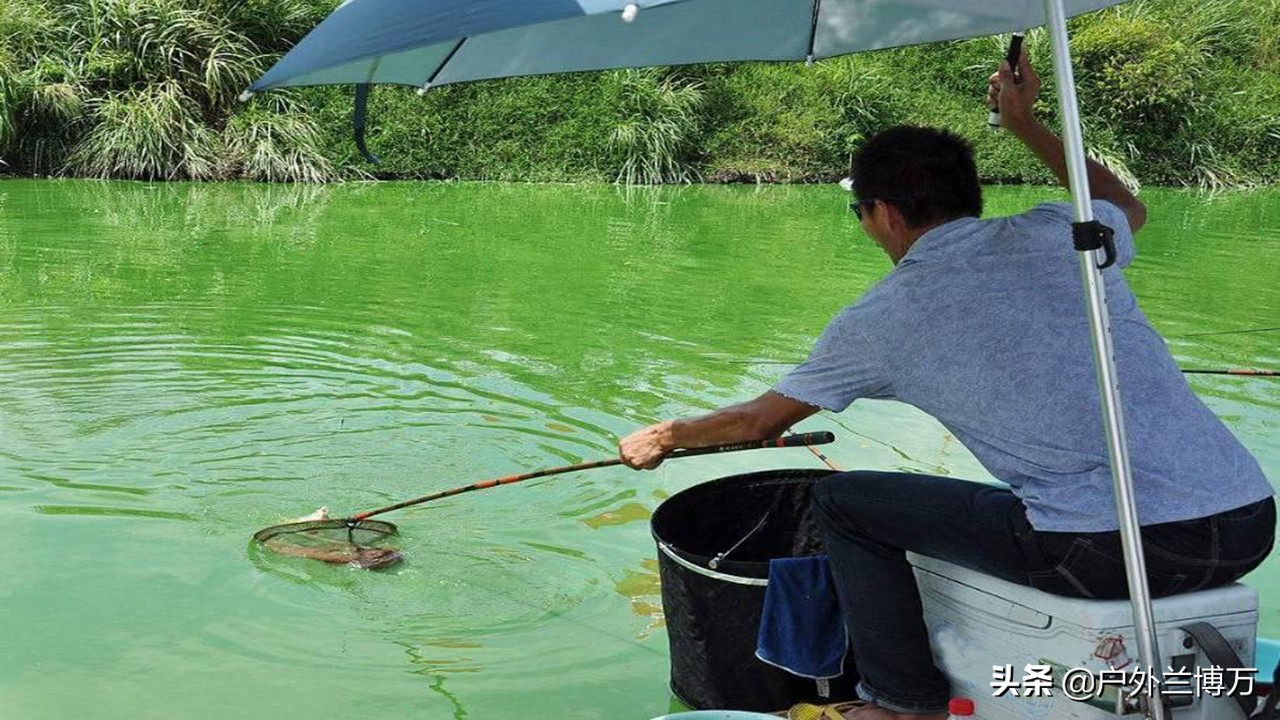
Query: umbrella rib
{"points": [[373, 69], [436, 73], [362, 107], [813, 29]]}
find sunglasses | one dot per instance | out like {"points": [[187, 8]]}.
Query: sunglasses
{"points": [[856, 205]]}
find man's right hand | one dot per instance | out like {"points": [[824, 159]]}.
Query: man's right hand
{"points": [[766, 416], [1016, 100], [645, 448]]}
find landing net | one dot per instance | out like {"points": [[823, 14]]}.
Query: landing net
{"points": [[339, 541]]}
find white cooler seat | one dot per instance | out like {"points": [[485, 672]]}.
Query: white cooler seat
{"points": [[977, 621]]}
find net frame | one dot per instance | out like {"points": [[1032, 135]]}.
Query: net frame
{"points": [[323, 540]]}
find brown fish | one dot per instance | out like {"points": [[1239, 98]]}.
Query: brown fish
{"points": [[337, 553]]}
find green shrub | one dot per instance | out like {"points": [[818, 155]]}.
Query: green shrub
{"points": [[1132, 71], [1171, 92]]}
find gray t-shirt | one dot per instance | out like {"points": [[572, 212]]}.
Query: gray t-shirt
{"points": [[982, 325]]}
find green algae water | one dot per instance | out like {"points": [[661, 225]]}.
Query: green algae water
{"points": [[181, 365]]}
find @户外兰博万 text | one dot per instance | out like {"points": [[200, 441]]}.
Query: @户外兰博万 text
{"points": [[1080, 683]]}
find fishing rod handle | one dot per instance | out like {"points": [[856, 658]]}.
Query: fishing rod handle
{"points": [[1015, 51], [800, 440]]}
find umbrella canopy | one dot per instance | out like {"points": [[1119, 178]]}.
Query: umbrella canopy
{"points": [[426, 43]]}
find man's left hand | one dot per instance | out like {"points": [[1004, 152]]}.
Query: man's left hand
{"points": [[1016, 100]]}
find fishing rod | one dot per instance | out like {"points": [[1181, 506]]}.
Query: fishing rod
{"points": [[1246, 372], [1229, 332], [817, 453], [352, 540], [801, 440], [1249, 372]]}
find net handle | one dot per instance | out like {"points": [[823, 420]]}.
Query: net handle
{"points": [[801, 440]]}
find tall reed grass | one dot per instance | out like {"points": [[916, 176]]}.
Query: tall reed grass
{"points": [[145, 89], [658, 119]]}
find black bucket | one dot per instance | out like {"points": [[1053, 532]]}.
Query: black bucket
{"points": [[715, 541]]}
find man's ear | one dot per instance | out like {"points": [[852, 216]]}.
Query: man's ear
{"points": [[894, 218]]}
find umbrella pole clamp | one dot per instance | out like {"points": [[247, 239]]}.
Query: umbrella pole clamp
{"points": [[1093, 236]]}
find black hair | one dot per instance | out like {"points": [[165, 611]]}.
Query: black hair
{"points": [[927, 173]]}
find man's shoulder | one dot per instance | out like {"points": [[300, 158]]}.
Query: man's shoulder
{"points": [[1049, 211], [1057, 211], [868, 313], [1056, 214]]}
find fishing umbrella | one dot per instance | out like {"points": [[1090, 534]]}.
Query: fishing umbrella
{"points": [[429, 43], [426, 43]]}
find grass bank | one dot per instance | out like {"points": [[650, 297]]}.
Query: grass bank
{"points": [[1173, 92]]}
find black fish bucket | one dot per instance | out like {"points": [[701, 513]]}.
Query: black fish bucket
{"points": [[715, 541]]}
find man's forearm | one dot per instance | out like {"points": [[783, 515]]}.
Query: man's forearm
{"points": [[1103, 184], [731, 424], [1015, 95], [764, 417]]}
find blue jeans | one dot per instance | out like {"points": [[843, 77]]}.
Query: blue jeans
{"points": [[869, 519]]}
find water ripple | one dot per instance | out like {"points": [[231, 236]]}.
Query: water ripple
{"points": [[184, 364]]}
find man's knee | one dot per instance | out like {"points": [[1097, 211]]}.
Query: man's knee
{"points": [[824, 492], [837, 496]]}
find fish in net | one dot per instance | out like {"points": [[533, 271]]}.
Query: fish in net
{"points": [[340, 541]]}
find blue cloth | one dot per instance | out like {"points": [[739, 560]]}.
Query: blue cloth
{"points": [[982, 326], [801, 628]]}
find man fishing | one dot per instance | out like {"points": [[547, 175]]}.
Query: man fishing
{"points": [[980, 325]]}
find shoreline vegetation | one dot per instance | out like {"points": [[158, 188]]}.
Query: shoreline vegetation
{"points": [[1172, 92]]}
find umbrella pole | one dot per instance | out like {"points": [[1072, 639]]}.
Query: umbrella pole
{"points": [[1104, 358]]}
